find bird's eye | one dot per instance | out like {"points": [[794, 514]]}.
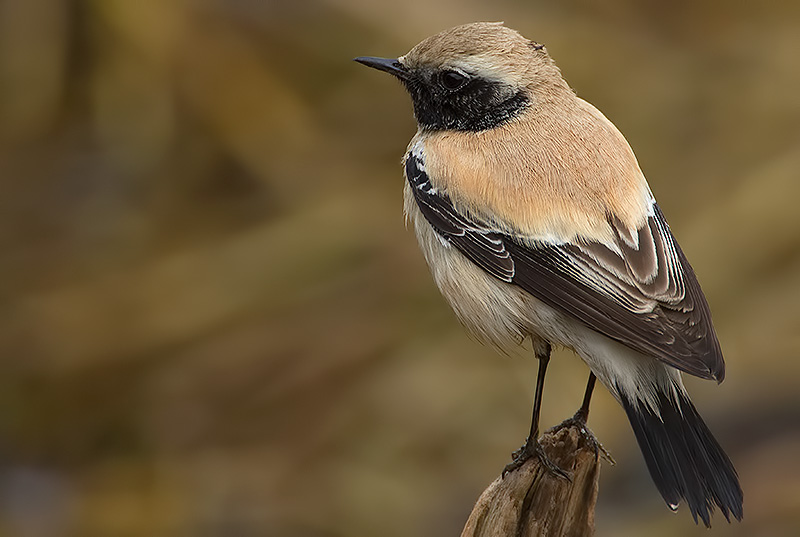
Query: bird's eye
{"points": [[453, 80]]}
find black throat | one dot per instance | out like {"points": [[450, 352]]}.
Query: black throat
{"points": [[480, 105]]}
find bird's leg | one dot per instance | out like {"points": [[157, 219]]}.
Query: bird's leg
{"points": [[579, 421], [583, 412], [532, 448]]}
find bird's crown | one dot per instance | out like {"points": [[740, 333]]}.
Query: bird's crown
{"points": [[487, 49]]}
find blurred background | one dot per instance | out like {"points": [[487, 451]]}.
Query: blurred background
{"points": [[213, 321]]}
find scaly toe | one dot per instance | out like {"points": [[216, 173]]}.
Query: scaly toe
{"points": [[532, 448], [580, 424]]}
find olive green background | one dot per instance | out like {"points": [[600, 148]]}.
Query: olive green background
{"points": [[213, 321]]}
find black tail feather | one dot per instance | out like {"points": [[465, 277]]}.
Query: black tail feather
{"points": [[684, 459]]}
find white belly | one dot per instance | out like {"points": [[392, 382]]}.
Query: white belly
{"points": [[494, 311]]}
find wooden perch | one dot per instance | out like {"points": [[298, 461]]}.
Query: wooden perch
{"points": [[532, 502]]}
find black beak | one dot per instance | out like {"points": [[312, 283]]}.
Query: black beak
{"points": [[390, 65]]}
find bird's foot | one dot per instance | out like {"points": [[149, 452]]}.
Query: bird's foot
{"points": [[578, 421], [532, 448]]}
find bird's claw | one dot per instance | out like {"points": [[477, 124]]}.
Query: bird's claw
{"points": [[532, 448], [579, 422]]}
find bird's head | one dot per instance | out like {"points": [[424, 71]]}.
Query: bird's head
{"points": [[473, 77]]}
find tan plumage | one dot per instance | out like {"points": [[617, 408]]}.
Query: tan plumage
{"points": [[536, 221], [557, 170], [555, 175]]}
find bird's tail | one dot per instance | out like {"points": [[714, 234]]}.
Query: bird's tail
{"points": [[684, 458]]}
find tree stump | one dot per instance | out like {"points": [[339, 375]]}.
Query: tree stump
{"points": [[532, 502]]}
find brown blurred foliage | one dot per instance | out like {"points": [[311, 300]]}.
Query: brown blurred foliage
{"points": [[213, 322]]}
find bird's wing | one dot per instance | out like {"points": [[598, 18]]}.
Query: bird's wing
{"points": [[640, 291]]}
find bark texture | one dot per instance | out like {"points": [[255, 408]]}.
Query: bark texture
{"points": [[532, 502]]}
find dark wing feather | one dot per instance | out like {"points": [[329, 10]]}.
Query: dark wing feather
{"points": [[643, 293], [482, 246]]}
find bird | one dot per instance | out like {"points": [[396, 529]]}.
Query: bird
{"points": [[538, 224]]}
